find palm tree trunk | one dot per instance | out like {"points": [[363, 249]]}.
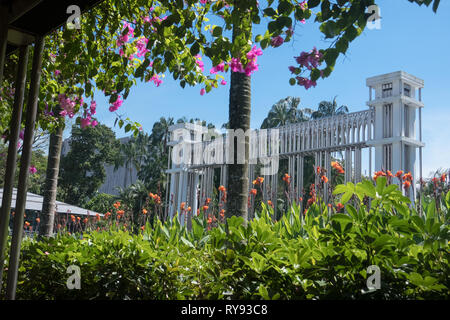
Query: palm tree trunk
{"points": [[239, 118], [51, 183]]}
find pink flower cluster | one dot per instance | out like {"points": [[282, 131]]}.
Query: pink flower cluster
{"points": [[116, 105], [305, 82], [219, 68], [67, 106], [87, 120], [156, 79], [125, 38], [252, 66], [235, 65], [277, 41], [303, 5], [141, 46], [33, 169], [310, 59], [199, 62]]}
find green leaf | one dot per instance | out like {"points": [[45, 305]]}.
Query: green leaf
{"points": [[381, 183], [217, 31], [313, 3], [347, 196], [269, 12]]}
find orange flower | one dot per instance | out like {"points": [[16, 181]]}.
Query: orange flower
{"points": [[408, 176], [59, 226], [222, 189], [270, 203], [183, 204], [253, 192], [27, 223], [38, 220], [116, 205], [85, 220], [205, 208], [222, 213], [300, 199], [120, 212], [189, 209], [144, 211], [406, 184], [97, 216], [329, 205], [339, 206], [337, 166], [399, 174], [378, 174], [443, 177], [106, 216], [72, 217], [318, 170], [142, 228], [258, 180], [389, 174], [286, 178], [198, 211], [324, 179], [209, 220], [208, 200], [78, 218]]}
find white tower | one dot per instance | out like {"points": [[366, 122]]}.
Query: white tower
{"points": [[398, 99]]}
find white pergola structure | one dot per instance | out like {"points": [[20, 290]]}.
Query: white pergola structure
{"points": [[388, 127]]}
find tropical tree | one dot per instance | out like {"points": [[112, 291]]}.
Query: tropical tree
{"points": [[82, 169], [285, 112], [328, 109]]}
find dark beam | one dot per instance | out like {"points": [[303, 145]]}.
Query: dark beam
{"points": [[3, 39], [25, 162], [14, 126], [20, 7]]}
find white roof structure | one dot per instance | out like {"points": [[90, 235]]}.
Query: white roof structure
{"points": [[34, 202]]}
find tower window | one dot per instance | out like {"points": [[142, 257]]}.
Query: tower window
{"points": [[407, 90], [387, 90], [387, 121]]}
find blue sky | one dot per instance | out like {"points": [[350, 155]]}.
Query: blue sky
{"points": [[411, 38]]}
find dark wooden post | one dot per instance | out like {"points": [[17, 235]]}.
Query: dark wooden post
{"points": [[3, 38], [25, 161], [12, 153]]}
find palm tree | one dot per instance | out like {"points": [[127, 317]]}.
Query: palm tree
{"points": [[239, 118], [285, 112], [51, 181], [328, 109]]}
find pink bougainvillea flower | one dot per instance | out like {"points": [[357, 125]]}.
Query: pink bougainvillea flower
{"points": [[33, 169], [199, 62], [21, 134], [223, 82], [219, 67], [236, 65], [202, 91], [93, 107], [85, 122], [116, 105], [277, 41], [57, 72]]}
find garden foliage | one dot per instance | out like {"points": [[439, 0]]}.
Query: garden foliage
{"points": [[318, 255]]}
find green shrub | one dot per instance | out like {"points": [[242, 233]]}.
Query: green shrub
{"points": [[318, 255]]}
